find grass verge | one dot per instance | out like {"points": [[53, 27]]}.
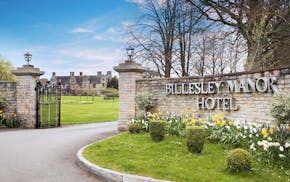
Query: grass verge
{"points": [[170, 160], [85, 109]]}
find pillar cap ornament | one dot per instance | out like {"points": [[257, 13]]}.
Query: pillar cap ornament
{"points": [[27, 70], [130, 66]]}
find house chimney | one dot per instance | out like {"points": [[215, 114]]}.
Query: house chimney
{"points": [[53, 74], [109, 74], [99, 73], [72, 73], [81, 73]]}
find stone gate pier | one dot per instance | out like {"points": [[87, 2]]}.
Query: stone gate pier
{"points": [[26, 77], [129, 72]]}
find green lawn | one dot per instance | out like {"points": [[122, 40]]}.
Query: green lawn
{"points": [[170, 160], [85, 109]]}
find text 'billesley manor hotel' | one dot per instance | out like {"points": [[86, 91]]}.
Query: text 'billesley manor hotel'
{"points": [[82, 84]]}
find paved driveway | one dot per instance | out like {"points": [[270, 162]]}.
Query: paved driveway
{"points": [[48, 155]]}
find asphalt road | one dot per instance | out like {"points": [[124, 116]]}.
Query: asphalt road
{"points": [[48, 155]]}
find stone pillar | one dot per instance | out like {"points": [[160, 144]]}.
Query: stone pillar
{"points": [[26, 77], [128, 73]]}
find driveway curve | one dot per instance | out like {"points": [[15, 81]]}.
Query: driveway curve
{"points": [[48, 155]]}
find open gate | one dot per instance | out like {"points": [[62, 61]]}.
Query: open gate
{"points": [[48, 104]]}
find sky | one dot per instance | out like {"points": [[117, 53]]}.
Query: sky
{"points": [[66, 36]]}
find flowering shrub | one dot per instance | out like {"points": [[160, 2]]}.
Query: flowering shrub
{"points": [[280, 107], [146, 101], [9, 121]]}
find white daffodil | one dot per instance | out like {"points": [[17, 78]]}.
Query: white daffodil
{"points": [[281, 148]]}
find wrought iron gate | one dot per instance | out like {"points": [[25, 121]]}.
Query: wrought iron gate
{"points": [[48, 104]]}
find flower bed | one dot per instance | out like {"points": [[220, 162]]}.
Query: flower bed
{"points": [[268, 144]]}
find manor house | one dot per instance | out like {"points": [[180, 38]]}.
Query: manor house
{"points": [[82, 84]]}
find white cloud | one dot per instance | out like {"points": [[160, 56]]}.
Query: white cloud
{"points": [[158, 3], [136, 1], [91, 54], [114, 34], [100, 37], [81, 30], [111, 30]]}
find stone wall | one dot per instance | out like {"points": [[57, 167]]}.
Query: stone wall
{"points": [[8, 91], [253, 106]]}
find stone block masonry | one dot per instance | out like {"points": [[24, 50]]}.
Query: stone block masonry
{"points": [[243, 97], [8, 91], [128, 73], [26, 77]]}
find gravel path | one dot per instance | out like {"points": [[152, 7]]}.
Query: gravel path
{"points": [[48, 155]]}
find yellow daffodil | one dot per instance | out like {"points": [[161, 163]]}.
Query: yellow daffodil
{"points": [[218, 118], [201, 120], [181, 112], [271, 131], [193, 121], [192, 115], [218, 122], [183, 120], [265, 132], [223, 123]]}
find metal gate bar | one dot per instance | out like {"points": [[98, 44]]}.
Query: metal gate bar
{"points": [[48, 104]]}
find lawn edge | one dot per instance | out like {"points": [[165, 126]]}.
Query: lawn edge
{"points": [[107, 174]]}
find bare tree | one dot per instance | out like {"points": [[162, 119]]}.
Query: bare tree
{"points": [[200, 63], [218, 52], [264, 24], [236, 52], [189, 23], [155, 34]]}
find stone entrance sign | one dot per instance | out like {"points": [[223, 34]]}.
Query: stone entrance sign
{"points": [[242, 97]]}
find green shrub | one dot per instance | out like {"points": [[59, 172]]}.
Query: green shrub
{"points": [[135, 128], [238, 160], [157, 130], [110, 93], [280, 108], [195, 137]]}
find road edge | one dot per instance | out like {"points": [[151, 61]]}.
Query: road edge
{"points": [[107, 174]]}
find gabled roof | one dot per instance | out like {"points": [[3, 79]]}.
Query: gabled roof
{"points": [[94, 79]]}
